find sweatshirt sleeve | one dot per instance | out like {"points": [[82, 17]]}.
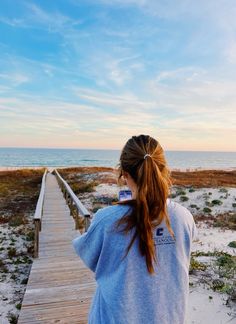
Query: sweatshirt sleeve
{"points": [[88, 246]]}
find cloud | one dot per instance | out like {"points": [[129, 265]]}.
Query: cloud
{"points": [[63, 120], [36, 16], [15, 78], [55, 123], [54, 21], [230, 52], [169, 9], [125, 100], [13, 22], [193, 90]]}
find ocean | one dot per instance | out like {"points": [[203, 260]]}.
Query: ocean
{"points": [[34, 157]]}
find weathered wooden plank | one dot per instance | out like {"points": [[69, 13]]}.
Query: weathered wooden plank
{"points": [[60, 288]]}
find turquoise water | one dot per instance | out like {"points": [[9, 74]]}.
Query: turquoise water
{"points": [[28, 157]]}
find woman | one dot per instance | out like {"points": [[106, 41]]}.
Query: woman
{"points": [[140, 249]]}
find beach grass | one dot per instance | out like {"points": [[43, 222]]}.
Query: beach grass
{"points": [[19, 191]]}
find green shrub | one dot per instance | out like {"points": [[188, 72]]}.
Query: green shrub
{"points": [[180, 193], [196, 265], [232, 244], [24, 281], [17, 220], [12, 253], [193, 206], [115, 199], [223, 190], [26, 259], [3, 267], [216, 202], [207, 210], [18, 261], [96, 208], [12, 318], [227, 220], [18, 306], [228, 289], [234, 205], [227, 265], [183, 198], [30, 236], [217, 284], [191, 190], [81, 187]]}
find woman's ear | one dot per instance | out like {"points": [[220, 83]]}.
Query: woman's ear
{"points": [[125, 175]]}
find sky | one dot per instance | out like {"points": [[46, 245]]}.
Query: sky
{"points": [[90, 74]]}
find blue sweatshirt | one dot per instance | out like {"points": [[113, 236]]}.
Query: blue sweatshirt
{"points": [[126, 293]]}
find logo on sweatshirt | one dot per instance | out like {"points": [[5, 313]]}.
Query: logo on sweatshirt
{"points": [[163, 237], [159, 231]]}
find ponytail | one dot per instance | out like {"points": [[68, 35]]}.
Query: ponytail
{"points": [[143, 158]]}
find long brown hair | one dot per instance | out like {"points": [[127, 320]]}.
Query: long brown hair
{"points": [[143, 158]]}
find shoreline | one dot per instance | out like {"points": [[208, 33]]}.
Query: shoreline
{"points": [[14, 168]]}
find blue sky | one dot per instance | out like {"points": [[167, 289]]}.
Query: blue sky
{"points": [[90, 74]]}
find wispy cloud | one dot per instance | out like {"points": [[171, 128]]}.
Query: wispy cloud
{"points": [[54, 21], [73, 123], [13, 22], [15, 78], [230, 52]]}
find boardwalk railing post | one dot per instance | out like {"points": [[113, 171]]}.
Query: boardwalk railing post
{"points": [[77, 222], [87, 222], [37, 226]]}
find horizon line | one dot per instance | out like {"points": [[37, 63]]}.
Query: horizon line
{"points": [[107, 149]]}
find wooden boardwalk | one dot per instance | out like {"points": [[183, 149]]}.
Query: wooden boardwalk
{"points": [[60, 288]]}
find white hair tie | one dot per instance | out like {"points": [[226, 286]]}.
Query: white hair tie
{"points": [[146, 155]]}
